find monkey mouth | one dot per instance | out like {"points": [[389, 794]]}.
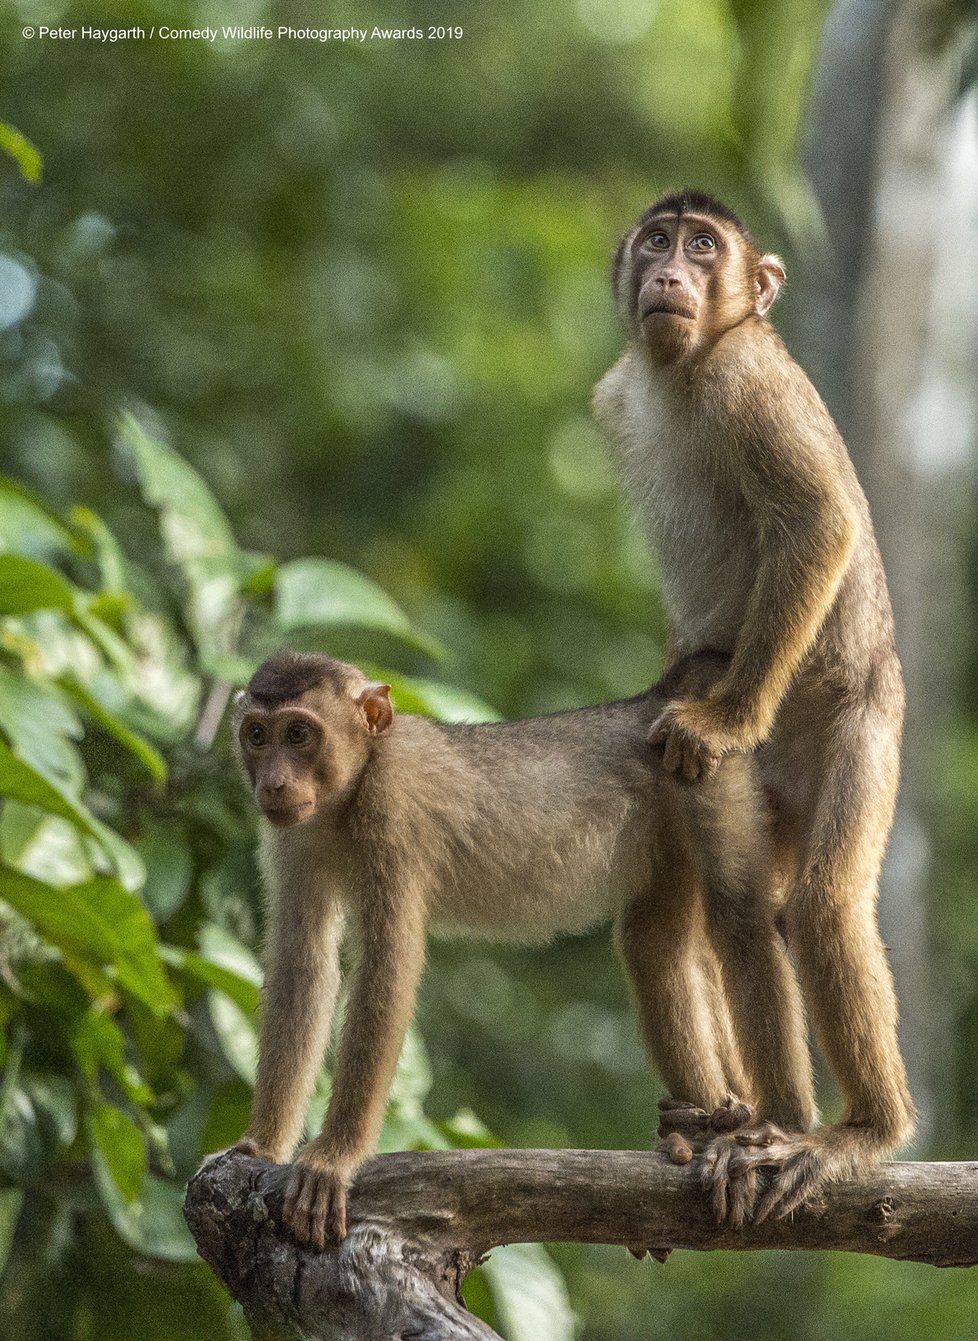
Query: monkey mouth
{"points": [[283, 817], [662, 310]]}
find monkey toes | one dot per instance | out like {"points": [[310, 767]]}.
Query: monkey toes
{"points": [[760, 1172], [315, 1207]]}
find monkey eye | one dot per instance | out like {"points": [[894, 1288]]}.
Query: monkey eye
{"points": [[657, 241], [298, 733], [256, 735], [702, 242]]}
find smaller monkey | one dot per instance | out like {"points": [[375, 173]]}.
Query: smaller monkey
{"points": [[511, 830]]}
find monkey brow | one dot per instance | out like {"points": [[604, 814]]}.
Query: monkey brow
{"points": [[696, 202]]}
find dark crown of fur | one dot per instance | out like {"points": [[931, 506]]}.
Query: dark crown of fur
{"points": [[287, 675], [689, 201]]}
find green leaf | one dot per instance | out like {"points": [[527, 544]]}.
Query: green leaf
{"points": [[434, 699], [55, 1101], [320, 593], [193, 524], [151, 759], [11, 1200], [198, 538], [111, 562], [152, 1223], [28, 525], [41, 727], [21, 782], [169, 867], [240, 990], [99, 920], [465, 1131], [236, 1030], [19, 147], [21, 1146], [529, 1294], [27, 585], [228, 1116], [45, 846], [118, 1150], [99, 1042]]}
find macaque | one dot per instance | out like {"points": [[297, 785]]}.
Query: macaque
{"points": [[513, 830], [767, 555]]}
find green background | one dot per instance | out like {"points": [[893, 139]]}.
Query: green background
{"points": [[363, 290]]}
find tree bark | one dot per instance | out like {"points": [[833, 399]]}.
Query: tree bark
{"points": [[419, 1222]]}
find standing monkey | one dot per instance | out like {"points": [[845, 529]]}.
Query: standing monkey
{"points": [[767, 554], [512, 830]]}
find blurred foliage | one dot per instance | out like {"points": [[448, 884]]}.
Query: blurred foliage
{"points": [[363, 291], [129, 1021]]}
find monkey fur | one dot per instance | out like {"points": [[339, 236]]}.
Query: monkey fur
{"points": [[767, 554], [512, 830]]}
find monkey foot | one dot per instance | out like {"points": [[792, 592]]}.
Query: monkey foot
{"points": [[762, 1171], [315, 1201]]}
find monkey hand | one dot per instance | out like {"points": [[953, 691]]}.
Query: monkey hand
{"points": [[315, 1198], [691, 739], [685, 1129]]}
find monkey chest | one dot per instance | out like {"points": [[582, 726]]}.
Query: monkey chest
{"points": [[706, 546]]}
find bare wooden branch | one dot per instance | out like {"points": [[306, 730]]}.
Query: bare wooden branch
{"points": [[419, 1222]]}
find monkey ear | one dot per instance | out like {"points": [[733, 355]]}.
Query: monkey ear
{"points": [[375, 704], [770, 276]]}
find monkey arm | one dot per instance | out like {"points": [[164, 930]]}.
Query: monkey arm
{"points": [[808, 529], [392, 948], [301, 981]]}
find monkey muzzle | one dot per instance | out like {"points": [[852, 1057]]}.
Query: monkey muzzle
{"points": [[285, 816], [662, 309]]}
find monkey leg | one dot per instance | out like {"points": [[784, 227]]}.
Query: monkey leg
{"points": [[841, 959], [730, 835], [765, 1002], [662, 941]]}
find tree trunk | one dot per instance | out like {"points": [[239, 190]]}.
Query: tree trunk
{"points": [[419, 1222]]}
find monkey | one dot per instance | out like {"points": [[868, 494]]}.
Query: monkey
{"points": [[507, 830], [767, 554]]}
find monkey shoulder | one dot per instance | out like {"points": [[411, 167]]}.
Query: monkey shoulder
{"points": [[610, 395], [784, 437]]}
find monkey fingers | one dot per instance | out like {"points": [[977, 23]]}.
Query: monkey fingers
{"points": [[676, 1116], [685, 1129], [315, 1207], [684, 751]]}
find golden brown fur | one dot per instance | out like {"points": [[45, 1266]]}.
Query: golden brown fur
{"points": [[767, 554], [511, 830]]}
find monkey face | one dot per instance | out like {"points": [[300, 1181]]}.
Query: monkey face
{"points": [[304, 753], [682, 267], [289, 762], [684, 276]]}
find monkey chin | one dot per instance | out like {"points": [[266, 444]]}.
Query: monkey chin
{"points": [[667, 335], [286, 817]]}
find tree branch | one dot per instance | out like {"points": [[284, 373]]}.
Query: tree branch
{"points": [[419, 1222]]}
